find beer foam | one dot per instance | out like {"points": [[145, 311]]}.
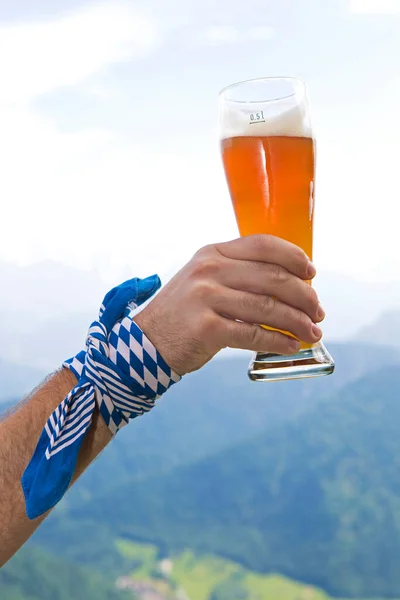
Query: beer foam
{"points": [[265, 119]]}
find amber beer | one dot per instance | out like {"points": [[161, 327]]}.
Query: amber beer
{"points": [[271, 183]]}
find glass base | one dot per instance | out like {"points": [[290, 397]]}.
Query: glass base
{"points": [[308, 362]]}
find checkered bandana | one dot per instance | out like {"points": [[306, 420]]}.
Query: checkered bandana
{"points": [[120, 371]]}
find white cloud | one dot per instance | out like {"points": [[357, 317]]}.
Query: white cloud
{"points": [[71, 196], [222, 34], [88, 198], [375, 7], [260, 32], [228, 34], [38, 57], [54, 182]]}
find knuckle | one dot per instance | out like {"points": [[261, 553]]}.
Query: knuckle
{"points": [[205, 263], [268, 304], [203, 327], [208, 326], [279, 275], [204, 251], [264, 241], [202, 289]]}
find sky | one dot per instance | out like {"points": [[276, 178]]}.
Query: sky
{"points": [[108, 118]]}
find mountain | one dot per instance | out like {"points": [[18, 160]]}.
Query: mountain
{"points": [[19, 375], [17, 380], [210, 410], [35, 575], [48, 288], [315, 498], [45, 311], [58, 303], [384, 331], [351, 304], [198, 434], [213, 409]]}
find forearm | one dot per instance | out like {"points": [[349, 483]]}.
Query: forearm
{"points": [[19, 433]]}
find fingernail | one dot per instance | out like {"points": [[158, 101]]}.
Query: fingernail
{"points": [[321, 313], [311, 270], [317, 332]]}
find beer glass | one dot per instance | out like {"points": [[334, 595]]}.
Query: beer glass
{"points": [[268, 153]]}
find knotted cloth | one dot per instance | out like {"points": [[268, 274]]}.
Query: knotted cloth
{"points": [[120, 371]]}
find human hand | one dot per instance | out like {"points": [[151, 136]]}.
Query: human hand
{"points": [[216, 300]]}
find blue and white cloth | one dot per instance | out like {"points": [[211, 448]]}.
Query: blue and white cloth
{"points": [[120, 371]]}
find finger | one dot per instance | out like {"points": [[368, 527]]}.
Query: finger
{"points": [[272, 280], [253, 337], [270, 249], [265, 310]]}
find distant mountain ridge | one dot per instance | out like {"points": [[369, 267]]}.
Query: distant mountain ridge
{"points": [[384, 331], [353, 358], [59, 302], [17, 380]]}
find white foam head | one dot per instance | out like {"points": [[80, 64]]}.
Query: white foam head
{"points": [[287, 117]]}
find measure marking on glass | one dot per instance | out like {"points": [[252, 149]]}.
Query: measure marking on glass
{"points": [[257, 117]]}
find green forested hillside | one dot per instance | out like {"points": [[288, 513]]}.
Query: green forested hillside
{"points": [[317, 498], [213, 409], [34, 574], [274, 477]]}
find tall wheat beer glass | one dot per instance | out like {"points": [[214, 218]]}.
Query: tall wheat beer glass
{"points": [[268, 152]]}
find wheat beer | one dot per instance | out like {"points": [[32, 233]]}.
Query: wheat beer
{"points": [[270, 170], [271, 182]]}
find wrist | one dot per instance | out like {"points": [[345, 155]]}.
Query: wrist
{"points": [[160, 341]]}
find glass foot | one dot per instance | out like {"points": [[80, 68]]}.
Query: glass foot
{"points": [[308, 362]]}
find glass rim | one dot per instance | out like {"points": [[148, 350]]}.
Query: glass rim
{"points": [[295, 80]]}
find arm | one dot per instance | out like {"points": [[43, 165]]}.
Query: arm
{"points": [[212, 303], [19, 433]]}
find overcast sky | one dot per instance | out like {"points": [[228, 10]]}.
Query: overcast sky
{"points": [[108, 141]]}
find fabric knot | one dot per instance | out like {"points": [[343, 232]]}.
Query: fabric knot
{"points": [[120, 371], [97, 337]]}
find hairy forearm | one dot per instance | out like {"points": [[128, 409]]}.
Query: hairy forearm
{"points": [[19, 434]]}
